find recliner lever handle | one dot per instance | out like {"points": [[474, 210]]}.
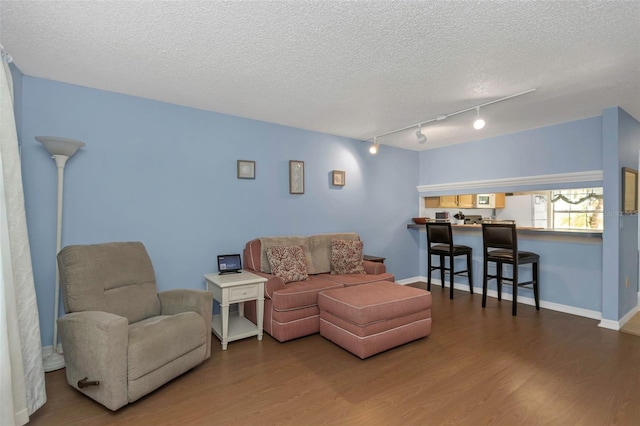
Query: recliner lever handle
{"points": [[84, 383]]}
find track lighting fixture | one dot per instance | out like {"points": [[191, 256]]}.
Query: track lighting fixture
{"points": [[479, 123], [373, 149], [421, 137]]}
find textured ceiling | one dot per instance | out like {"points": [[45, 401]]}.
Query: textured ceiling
{"points": [[355, 69]]}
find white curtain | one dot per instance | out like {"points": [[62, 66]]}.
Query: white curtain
{"points": [[22, 384]]}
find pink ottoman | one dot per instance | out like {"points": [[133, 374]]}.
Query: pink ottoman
{"points": [[370, 318]]}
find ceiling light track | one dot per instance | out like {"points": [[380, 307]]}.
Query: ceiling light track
{"points": [[451, 114]]}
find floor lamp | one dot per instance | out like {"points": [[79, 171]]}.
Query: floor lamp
{"points": [[61, 150]]}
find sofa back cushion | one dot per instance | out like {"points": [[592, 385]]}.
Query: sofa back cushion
{"points": [[321, 249], [267, 242], [112, 277], [317, 250]]}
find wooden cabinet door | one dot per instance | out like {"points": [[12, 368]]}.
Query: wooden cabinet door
{"points": [[432, 202], [465, 201], [449, 201], [500, 200]]}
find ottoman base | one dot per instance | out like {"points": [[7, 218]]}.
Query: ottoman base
{"points": [[364, 347], [371, 318]]}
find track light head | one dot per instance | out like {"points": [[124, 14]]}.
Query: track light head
{"points": [[421, 136], [479, 123], [373, 149]]}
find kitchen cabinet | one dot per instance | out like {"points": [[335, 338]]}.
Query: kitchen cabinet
{"points": [[500, 200], [465, 201], [432, 202], [449, 201]]}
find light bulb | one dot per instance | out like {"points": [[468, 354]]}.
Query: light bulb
{"points": [[373, 149], [478, 124]]}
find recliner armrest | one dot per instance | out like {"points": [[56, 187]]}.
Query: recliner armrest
{"points": [[200, 301], [374, 268], [95, 346]]}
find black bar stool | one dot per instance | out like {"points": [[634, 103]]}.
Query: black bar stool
{"points": [[440, 243], [504, 238]]}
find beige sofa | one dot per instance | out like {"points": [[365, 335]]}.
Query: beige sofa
{"points": [[291, 309]]}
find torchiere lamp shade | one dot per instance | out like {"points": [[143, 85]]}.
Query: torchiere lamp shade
{"points": [[60, 146]]}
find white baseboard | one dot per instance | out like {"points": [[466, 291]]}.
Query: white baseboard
{"points": [[609, 324], [587, 313], [48, 350], [617, 325]]}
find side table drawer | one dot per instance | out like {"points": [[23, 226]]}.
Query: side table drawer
{"points": [[243, 292]]}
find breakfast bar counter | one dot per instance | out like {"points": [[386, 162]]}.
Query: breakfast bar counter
{"points": [[570, 265], [526, 232]]}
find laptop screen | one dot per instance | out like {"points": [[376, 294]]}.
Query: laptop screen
{"points": [[229, 262]]}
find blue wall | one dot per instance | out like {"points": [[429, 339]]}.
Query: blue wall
{"points": [[620, 148], [166, 175], [583, 275], [563, 148], [570, 272], [629, 139]]}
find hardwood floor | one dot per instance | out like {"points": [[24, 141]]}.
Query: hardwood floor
{"points": [[479, 366]]}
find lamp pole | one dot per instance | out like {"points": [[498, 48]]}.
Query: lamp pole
{"points": [[60, 149]]}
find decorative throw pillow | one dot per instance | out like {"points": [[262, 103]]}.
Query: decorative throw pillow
{"points": [[346, 257], [288, 263]]}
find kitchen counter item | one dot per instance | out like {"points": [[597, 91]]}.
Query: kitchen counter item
{"points": [[471, 219]]}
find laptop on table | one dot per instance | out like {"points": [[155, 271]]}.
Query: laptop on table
{"points": [[229, 263]]}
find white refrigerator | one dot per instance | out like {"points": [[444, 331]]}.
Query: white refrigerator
{"points": [[526, 210]]}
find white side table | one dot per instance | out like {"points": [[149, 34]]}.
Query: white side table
{"points": [[236, 288]]}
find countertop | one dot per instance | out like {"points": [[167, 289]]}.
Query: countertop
{"points": [[525, 230]]}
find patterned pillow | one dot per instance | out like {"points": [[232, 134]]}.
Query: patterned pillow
{"points": [[288, 263], [346, 257]]}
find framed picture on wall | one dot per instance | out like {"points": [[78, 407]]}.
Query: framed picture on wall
{"points": [[246, 169], [296, 177], [338, 177], [629, 191]]}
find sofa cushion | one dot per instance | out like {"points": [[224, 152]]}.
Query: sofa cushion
{"points": [[346, 257], [167, 337], [321, 250], [349, 280], [301, 294], [266, 242], [288, 263]]}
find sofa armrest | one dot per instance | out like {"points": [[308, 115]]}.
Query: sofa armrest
{"points": [[95, 346], [199, 301], [272, 284], [374, 268]]}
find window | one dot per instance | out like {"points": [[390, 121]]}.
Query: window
{"points": [[577, 208]]}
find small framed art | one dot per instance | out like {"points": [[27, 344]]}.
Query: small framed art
{"points": [[629, 191], [296, 177], [246, 169], [338, 177]]}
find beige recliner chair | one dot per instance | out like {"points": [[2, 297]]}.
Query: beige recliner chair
{"points": [[118, 331]]}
